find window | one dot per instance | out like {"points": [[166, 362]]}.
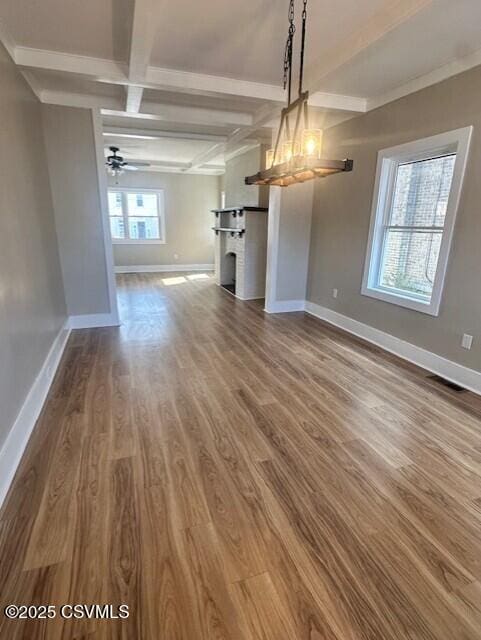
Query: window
{"points": [[136, 217], [416, 196]]}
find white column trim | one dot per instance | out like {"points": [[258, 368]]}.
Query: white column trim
{"points": [[273, 222], [102, 184]]}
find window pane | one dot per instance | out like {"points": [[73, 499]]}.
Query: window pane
{"points": [[117, 228], [142, 204], [409, 261], [115, 203], [145, 228], [422, 191]]}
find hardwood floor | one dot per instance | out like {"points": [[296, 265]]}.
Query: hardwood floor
{"points": [[233, 475]]}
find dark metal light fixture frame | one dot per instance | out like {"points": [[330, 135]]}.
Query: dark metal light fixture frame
{"points": [[299, 167]]}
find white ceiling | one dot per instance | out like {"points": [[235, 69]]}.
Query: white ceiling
{"points": [[205, 77]]}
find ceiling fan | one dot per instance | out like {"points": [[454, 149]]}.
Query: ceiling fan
{"points": [[116, 165]]}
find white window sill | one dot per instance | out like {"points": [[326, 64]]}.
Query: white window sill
{"points": [[138, 241], [431, 308]]}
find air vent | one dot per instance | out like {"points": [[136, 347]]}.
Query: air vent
{"points": [[447, 383]]}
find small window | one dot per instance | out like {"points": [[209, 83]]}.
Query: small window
{"points": [[415, 201], [137, 217]]}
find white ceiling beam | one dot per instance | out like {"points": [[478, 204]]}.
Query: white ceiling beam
{"points": [[111, 72], [134, 98], [154, 134], [252, 144], [144, 27], [172, 166], [211, 170], [185, 115], [186, 81], [204, 157], [382, 23], [98, 69], [88, 101], [263, 116]]}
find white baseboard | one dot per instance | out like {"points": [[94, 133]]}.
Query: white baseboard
{"points": [[19, 435], [91, 321], [285, 306], [163, 268], [457, 373]]}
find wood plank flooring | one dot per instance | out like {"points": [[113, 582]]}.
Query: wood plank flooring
{"points": [[231, 475]]}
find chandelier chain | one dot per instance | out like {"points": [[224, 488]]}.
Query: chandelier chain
{"points": [[303, 44], [289, 48]]}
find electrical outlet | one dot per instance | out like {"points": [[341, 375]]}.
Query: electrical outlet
{"points": [[334, 293], [467, 341]]}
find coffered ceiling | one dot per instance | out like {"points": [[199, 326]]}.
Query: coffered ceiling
{"points": [[205, 78]]}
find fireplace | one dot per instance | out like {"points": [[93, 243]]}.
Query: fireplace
{"points": [[241, 251], [229, 272]]}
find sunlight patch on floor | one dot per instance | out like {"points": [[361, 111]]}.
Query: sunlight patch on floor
{"points": [[198, 276], [175, 280]]}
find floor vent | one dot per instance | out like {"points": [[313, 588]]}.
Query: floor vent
{"points": [[447, 383]]}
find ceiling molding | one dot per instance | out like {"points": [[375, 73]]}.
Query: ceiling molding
{"points": [[422, 82], [391, 17]]}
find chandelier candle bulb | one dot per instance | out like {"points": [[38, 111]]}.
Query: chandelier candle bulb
{"points": [[287, 151], [269, 159], [311, 143]]}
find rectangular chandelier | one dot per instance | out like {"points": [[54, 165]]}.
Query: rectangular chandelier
{"points": [[296, 156]]}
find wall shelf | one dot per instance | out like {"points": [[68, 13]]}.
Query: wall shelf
{"points": [[231, 230]]}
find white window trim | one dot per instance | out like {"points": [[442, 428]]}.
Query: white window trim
{"points": [[456, 141], [160, 207]]}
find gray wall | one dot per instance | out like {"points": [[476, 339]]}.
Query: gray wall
{"points": [[290, 212], [32, 305], [236, 169], [189, 200], [69, 137], [294, 234], [342, 209]]}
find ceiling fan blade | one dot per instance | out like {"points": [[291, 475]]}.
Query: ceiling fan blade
{"points": [[129, 167], [139, 164]]}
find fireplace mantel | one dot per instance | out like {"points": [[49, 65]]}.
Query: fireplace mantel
{"points": [[241, 250]]}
